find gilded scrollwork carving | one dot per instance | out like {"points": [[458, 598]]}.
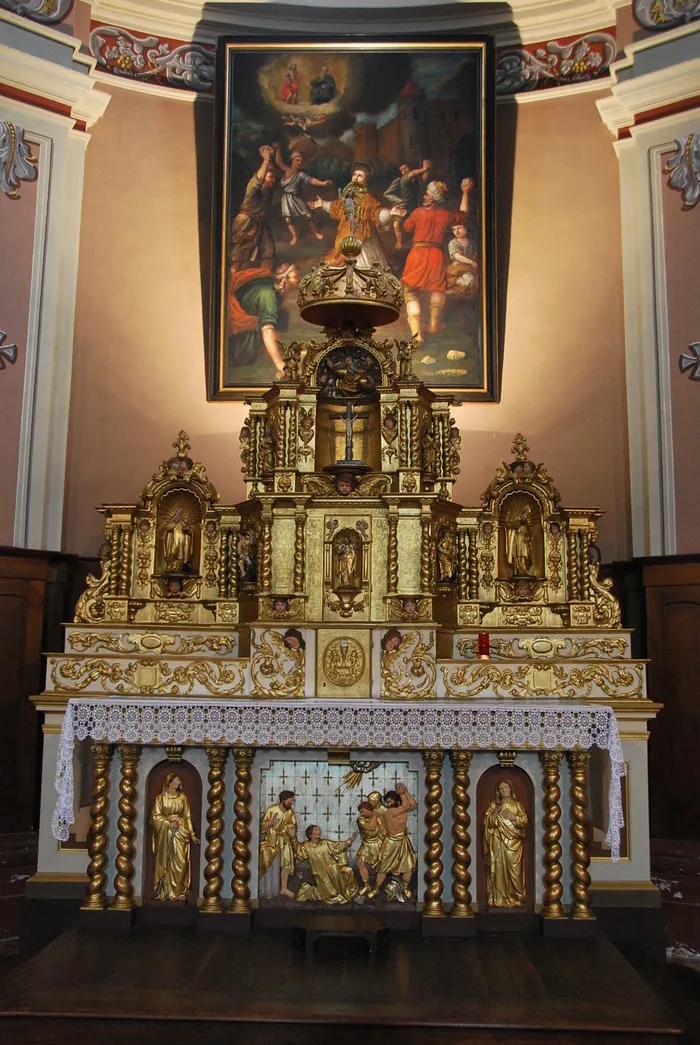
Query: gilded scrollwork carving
{"points": [[606, 613], [565, 681], [407, 665], [90, 607], [221, 678], [546, 647], [278, 663], [343, 661]]}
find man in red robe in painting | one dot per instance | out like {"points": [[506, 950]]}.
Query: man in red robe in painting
{"points": [[426, 267]]}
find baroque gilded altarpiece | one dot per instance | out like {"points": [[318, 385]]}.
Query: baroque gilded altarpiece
{"points": [[346, 631]]}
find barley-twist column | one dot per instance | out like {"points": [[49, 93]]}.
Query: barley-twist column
{"points": [[231, 566], [461, 840], [265, 556], [224, 537], [572, 564], [299, 552], [426, 559], [432, 898], [125, 566], [123, 888], [392, 564], [95, 896], [463, 567], [211, 904], [585, 573], [578, 793], [551, 833], [473, 567], [114, 560], [243, 757]]}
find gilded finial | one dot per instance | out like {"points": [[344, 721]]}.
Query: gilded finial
{"points": [[520, 449], [182, 444]]}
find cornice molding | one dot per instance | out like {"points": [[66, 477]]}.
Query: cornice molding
{"points": [[64, 76], [635, 91], [522, 21]]}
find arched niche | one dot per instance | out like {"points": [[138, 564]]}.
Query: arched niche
{"points": [[347, 561], [521, 537], [524, 791], [192, 788], [178, 534]]}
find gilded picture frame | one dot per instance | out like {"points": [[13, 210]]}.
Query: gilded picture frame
{"points": [[295, 122]]}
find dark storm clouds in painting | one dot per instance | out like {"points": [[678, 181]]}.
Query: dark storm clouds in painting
{"points": [[410, 127]]}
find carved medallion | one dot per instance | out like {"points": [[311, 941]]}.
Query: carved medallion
{"points": [[344, 662]]}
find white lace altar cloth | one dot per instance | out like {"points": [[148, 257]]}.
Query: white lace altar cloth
{"points": [[340, 723]]}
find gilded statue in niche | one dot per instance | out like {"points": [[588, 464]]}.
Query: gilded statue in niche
{"points": [[446, 554], [371, 828], [172, 836], [522, 533], [396, 856], [278, 831], [334, 879], [178, 516], [347, 551], [504, 830]]}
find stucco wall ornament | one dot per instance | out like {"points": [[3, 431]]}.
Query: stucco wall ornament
{"points": [[7, 352], [153, 60], [665, 14], [684, 168], [16, 161], [47, 11], [554, 64], [691, 363]]}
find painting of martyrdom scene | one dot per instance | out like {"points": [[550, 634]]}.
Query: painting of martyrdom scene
{"points": [[392, 140], [338, 836]]}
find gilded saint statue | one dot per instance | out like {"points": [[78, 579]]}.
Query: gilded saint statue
{"points": [[278, 831], [371, 828], [173, 833], [396, 856], [505, 824], [178, 543], [334, 880], [346, 563], [519, 542]]}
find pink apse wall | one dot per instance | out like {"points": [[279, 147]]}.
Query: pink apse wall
{"points": [[138, 372]]}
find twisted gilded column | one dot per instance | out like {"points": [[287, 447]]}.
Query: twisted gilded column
{"points": [[572, 564], [265, 555], [578, 793], [299, 552], [426, 558], [114, 560], [223, 562], [585, 573], [392, 562], [462, 566], [95, 896], [473, 567], [461, 840], [213, 854], [552, 906], [243, 758], [125, 566], [123, 888], [432, 898]]}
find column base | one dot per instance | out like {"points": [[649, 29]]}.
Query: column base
{"points": [[454, 927], [164, 915], [569, 928], [107, 920], [506, 921]]}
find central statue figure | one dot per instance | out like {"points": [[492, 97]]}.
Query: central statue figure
{"points": [[504, 829], [334, 881]]}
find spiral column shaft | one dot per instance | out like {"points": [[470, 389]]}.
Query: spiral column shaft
{"points": [[463, 566], [552, 906], [265, 556], [578, 794], [392, 565], [432, 898], [123, 886], [473, 567], [243, 758], [299, 553], [426, 558], [461, 839], [213, 854], [95, 894]]}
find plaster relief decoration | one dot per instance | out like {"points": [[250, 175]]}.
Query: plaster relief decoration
{"points": [[686, 363], [7, 352], [16, 161], [665, 14], [152, 59], [47, 11], [555, 63], [684, 168]]}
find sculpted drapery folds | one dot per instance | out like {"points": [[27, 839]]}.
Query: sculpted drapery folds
{"points": [[334, 879], [178, 543], [396, 856], [278, 832], [504, 829], [173, 834]]}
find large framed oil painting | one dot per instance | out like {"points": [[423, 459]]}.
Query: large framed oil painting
{"points": [[399, 132]]}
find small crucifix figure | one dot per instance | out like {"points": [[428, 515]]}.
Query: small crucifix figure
{"points": [[349, 417]]}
